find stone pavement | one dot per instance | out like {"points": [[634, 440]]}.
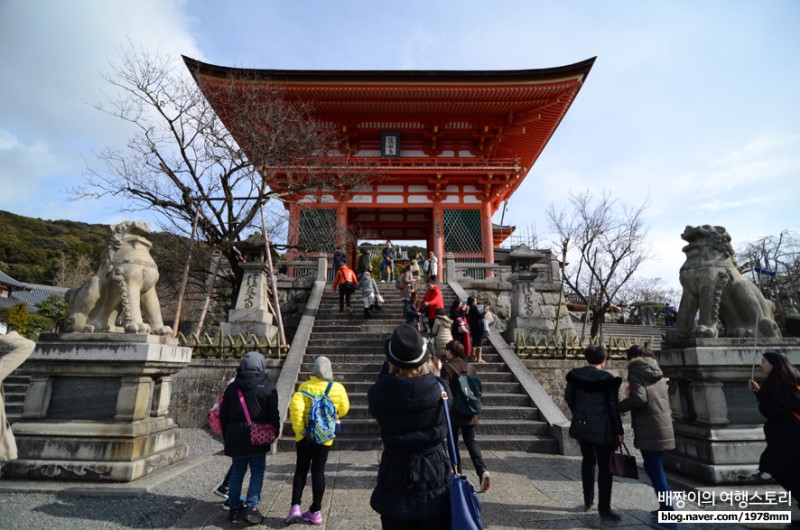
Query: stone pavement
{"points": [[528, 491]]}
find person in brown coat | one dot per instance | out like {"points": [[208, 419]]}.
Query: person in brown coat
{"points": [[455, 366], [651, 418], [14, 350]]}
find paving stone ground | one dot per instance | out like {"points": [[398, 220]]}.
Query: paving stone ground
{"points": [[528, 491]]}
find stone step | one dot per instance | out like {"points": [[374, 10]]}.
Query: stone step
{"points": [[489, 387], [348, 377], [487, 427], [372, 442], [501, 412], [351, 365], [354, 345]]}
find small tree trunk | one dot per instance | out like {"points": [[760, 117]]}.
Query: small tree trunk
{"points": [[209, 292], [184, 278]]}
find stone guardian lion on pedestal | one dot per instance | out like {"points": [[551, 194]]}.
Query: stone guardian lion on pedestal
{"points": [[122, 289], [714, 287]]}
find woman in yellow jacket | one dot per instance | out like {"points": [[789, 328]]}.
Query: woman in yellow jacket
{"points": [[309, 453]]}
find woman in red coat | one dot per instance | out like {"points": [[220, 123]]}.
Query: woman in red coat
{"points": [[432, 301]]}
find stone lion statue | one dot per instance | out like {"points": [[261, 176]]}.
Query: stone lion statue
{"points": [[714, 286], [122, 289]]}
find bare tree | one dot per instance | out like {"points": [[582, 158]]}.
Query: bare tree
{"points": [[72, 274], [605, 245], [774, 263], [184, 164], [646, 290]]}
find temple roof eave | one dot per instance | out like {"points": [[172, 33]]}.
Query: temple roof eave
{"points": [[581, 68]]}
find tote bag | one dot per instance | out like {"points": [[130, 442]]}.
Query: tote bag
{"points": [[465, 510], [623, 465]]}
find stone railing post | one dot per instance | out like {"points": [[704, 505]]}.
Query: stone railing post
{"points": [[451, 267]]}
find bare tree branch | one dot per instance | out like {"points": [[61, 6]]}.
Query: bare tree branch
{"points": [[606, 244]]}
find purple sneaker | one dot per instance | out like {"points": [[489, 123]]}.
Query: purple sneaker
{"points": [[295, 515], [312, 517]]}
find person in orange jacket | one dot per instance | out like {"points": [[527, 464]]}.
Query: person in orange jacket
{"points": [[346, 281]]}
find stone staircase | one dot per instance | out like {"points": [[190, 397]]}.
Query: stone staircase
{"points": [[509, 421], [636, 333], [14, 388]]}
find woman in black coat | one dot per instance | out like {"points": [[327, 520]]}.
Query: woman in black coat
{"points": [[261, 400], [592, 396], [414, 471], [778, 402]]}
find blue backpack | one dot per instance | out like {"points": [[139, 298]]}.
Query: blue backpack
{"points": [[321, 425]]}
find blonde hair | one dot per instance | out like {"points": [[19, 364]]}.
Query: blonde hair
{"points": [[422, 369]]}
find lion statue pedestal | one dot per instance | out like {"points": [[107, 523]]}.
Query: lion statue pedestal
{"points": [[710, 357], [97, 407]]}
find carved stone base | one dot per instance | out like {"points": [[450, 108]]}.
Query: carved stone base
{"points": [[245, 328], [97, 410], [725, 455], [719, 433], [94, 451]]}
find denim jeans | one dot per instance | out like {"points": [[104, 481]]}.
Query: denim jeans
{"points": [[257, 465], [654, 467]]}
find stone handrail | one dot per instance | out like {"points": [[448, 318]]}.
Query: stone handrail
{"points": [[558, 422], [294, 358]]}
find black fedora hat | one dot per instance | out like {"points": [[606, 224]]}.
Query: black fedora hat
{"points": [[406, 348]]}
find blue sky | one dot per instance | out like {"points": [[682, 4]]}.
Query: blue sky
{"points": [[691, 105]]}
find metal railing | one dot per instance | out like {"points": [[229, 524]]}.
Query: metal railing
{"points": [[225, 346], [549, 346], [477, 270]]}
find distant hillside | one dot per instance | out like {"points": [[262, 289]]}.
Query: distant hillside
{"points": [[31, 249]]}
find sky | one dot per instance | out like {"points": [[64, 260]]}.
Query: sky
{"points": [[691, 105]]}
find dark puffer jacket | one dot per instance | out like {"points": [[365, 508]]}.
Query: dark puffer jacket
{"points": [[592, 396], [261, 398], [414, 471], [649, 405]]}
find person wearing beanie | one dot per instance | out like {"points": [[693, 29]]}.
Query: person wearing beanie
{"points": [[311, 455], [261, 399], [414, 470], [651, 419], [592, 397]]}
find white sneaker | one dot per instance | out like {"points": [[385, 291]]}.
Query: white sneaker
{"points": [[486, 481]]}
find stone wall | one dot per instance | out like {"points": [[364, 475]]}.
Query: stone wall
{"points": [[198, 386], [552, 373], [293, 295]]}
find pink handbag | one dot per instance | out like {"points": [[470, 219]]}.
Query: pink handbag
{"points": [[259, 434], [213, 417]]}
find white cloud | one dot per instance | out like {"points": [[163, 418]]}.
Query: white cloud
{"points": [[52, 56]]}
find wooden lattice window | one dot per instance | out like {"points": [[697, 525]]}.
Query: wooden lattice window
{"points": [[462, 231], [317, 231]]}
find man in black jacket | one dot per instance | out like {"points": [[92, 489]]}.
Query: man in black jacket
{"points": [[592, 396]]}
